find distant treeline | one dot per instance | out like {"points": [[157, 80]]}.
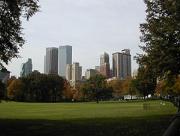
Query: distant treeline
{"points": [[37, 87]]}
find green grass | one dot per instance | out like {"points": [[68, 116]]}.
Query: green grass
{"points": [[85, 119]]}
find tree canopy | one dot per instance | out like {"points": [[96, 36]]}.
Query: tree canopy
{"points": [[161, 35], [2, 90], [96, 88], [145, 81], [37, 87], [11, 39]]}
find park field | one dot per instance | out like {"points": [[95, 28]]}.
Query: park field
{"points": [[133, 118]]}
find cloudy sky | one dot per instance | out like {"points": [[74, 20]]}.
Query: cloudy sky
{"points": [[91, 27]]}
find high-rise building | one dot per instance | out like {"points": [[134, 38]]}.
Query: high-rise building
{"points": [[104, 65], [76, 72], [64, 58], [45, 70], [122, 64], [69, 72], [51, 61], [104, 58], [97, 68], [90, 73], [26, 68]]}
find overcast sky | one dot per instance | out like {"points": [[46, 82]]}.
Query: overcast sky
{"points": [[91, 27]]}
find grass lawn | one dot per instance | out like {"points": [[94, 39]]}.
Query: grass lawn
{"points": [[149, 118]]}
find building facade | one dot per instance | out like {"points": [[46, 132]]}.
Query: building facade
{"points": [[64, 58], [26, 68], [90, 73], [97, 68], [69, 72], [76, 72], [104, 65], [121, 64], [51, 61]]}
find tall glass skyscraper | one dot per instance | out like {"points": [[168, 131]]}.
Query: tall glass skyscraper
{"points": [[51, 61], [64, 58]]}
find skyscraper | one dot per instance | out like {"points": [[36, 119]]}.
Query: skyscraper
{"points": [[64, 58], [97, 68], [51, 61], [76, 72], [69, 72], [45, 67], [104, 58], [122, 64], [26, 68], [104, 65]]}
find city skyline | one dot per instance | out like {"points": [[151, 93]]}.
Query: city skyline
{"points": [[91, 27], [57, 59], [53, 54]]}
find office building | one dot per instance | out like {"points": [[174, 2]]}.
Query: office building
{"points": [[76, 72], [64, 58], [104, 65], [97, 68], [51, 61], [122, 64], [69, 72], [104, 58], [73, 73], [45, 69], [26, 68], [90, 73]]}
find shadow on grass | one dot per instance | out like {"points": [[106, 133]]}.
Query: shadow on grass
{"points": [[145, 126]]}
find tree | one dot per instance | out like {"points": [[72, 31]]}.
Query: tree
{"points": [[10, 26], [96, 88], [117, 86], [37, 87], [15, 90], [176, 86], [97, 84], [132, 87], [161, 35], [2, 90], [10, 80], [77, 93], [126, 86], [68, 91], [161, 88], [43, 88], [145, 81], [98, 81]]}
